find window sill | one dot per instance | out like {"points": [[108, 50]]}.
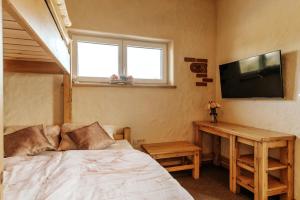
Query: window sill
{"points": [[87, 84]]}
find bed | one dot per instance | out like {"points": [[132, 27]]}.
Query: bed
{"points": [[118, 172]]}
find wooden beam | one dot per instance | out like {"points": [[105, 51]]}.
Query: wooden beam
{"points": [[1, 104], [33, 15], [31, 67], [67, 98]]}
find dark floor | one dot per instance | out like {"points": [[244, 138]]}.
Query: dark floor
{"points": [[213, 184]]}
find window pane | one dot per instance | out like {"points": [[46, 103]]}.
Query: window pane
{"points": [[97, 60], [144, 63]]}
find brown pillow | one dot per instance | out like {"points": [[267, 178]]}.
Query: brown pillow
{"points": [[53, 135], [28, 141], [52, 132], [91, 137], [66, 143]]}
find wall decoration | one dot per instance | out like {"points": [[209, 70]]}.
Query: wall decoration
{"points": [[199, 67]]}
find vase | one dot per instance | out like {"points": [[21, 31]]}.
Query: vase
{"points": [[213, 115], [214, 119]]}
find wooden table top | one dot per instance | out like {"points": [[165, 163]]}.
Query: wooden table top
{"points": [[169, 147], [250, 133]]}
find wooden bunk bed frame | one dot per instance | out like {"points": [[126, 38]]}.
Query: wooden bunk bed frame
{"points": [[35, 40]]}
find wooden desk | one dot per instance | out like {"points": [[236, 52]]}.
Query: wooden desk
{"points": [[163, 152], [252, 171]]}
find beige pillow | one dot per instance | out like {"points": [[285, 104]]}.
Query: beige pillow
{"points": [[52, 133], [91, 137], [28, 141], [66, 142]]}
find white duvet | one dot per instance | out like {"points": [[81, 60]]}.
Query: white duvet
{"points": [[87, 175]]}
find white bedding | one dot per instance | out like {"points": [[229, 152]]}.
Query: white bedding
{"points": [[120, 145], [95, 174]]}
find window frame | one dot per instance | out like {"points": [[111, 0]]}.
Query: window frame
{"points": [[148, 45], [94, 40], [122, 68]]}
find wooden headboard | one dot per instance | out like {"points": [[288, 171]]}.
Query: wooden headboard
{"points": [[123, 134]]}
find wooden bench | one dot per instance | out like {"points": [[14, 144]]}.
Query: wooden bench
{"points": [[174, 156]]}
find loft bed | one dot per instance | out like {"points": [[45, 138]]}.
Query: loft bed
{"points": [[34, 36], [35, 40]]}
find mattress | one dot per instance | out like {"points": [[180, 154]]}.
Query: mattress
{"points": [[120, 145], [111, 174]]}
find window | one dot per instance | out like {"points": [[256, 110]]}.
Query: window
{"points": [[96, 59]]}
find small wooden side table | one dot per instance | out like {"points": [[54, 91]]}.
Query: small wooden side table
{"points": [[174, 156]]}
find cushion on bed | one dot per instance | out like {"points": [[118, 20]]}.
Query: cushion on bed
{"points": [[28, 141], [91, 137], [68, 144], [52, 133]]}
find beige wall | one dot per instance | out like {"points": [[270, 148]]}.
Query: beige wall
{"points": [[32, 99], [247, 28], [153, 114]]}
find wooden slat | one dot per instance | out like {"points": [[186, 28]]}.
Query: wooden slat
{"points": [[23, 52], [29, 59], [16, 34], [11, 25], [35, 17], [277, 144], [245, 166], [246, 141], [8, 40], [23, 47], [31, 67], [7, 16], [179, 168], [15, 55]]}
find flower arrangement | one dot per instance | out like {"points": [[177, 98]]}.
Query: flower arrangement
{"points": [[115, 79], [212, 106]]}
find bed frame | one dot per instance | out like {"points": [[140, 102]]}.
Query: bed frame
{"points": [[35, 40], [32, 32], [123, 134]]}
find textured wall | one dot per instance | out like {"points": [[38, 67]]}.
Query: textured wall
{"points": [[32, 99], [153, 114], [247, 28]]}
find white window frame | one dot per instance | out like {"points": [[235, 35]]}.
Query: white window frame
{"points": [[148, 45], [123, 44], [96, 40]]}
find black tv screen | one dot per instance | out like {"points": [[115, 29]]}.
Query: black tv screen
{"points": [[256, 77]]}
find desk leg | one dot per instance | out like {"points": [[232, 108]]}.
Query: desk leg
{"points": [[196, 168], [256, 171], [287, 176], [198, 142], [232, 163], [216, 149], [263, 173]]}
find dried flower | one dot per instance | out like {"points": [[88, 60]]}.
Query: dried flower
{"points": [[213, 105]]}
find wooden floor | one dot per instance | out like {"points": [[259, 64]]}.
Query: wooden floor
{"points": [[212, 185]]}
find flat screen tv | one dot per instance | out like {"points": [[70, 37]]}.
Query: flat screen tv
{"points": [[256, 77]]}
